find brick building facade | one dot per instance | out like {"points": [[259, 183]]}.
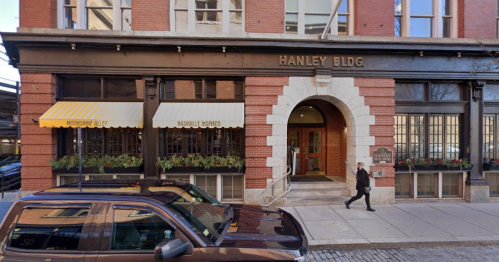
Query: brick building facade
{"points": [[376, 80]]}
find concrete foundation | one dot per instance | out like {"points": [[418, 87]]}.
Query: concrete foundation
{"points": [[477, 194]]}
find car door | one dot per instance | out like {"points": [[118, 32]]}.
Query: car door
{"points": [[133, 231], [49, 232]]}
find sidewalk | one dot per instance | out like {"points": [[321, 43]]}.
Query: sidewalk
{"points": [[399, 225]]}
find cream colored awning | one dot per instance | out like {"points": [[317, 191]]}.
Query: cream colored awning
{"points": [[195, 115], [94, 114]]}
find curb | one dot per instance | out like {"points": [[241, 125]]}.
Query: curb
{"points": [[403, 245]]}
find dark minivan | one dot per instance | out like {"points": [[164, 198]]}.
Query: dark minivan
{"points": [[145, 220]]}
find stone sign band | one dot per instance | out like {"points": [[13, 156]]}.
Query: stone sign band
{"points": [[322, 61]]}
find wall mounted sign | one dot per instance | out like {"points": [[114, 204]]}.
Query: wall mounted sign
{"points": [[383, 156], [320, 61]]}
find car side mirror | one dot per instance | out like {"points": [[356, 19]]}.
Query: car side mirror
{"points": [[170, 248]]}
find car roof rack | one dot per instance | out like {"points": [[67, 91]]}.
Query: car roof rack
{"points": [[118, 186]]}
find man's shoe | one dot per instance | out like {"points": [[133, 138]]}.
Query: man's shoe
{"points": [[370, 209], [347, 204]]}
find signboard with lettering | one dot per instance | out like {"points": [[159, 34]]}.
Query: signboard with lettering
{"points": [[320, 61], [383, 156]]}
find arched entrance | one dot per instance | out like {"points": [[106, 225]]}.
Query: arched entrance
{"points": [[339, 92], [317, 131]]}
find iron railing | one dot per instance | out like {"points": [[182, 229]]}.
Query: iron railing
{"points": [[286, 183]]}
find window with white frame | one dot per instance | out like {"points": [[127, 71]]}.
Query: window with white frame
{"points": [[426, 18], [207, 16], [312, 16], [95, 14]]}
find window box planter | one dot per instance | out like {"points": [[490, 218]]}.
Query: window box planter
{"points": [[401, 168], [135, 169], [420, 167], [490, 167], [223, 169], [75, 170], [184, 169], [453, 168]]}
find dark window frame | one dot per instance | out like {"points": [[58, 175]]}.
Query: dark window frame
{"points": [[67, 136], [203, 141], [102, 97], [167, 90]]}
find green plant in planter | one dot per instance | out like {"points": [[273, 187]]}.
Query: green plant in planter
{"points": [[168, 163], [228, 161], [464, 163], [424, 162], [72, 161]]}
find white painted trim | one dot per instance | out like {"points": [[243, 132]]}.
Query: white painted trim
{"points": [[191, 16], [405, 22], [415, 185], [172, 16], [440, 184], [58, 180], [301, 17], [351, 17], [437, 19], [243, 16], [334, 23], [192, 179], [219, 187], [117, 15], [454, 21], [60, 14], [225, 16]]}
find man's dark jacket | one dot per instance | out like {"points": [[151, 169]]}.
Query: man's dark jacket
{"points": [[362, 180]]}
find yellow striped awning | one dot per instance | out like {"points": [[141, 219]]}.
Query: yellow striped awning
{"points": [[94, 114], [199, 115]]}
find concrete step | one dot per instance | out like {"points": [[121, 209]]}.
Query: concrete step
{"points": [[326, 192], [316, 201], [317, 185]]}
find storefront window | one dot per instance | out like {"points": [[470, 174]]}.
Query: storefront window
{"points": [[445, 91], [97, 141], [216, 141], [411, 135], [410, 92], [202, 89], [491, 92]]}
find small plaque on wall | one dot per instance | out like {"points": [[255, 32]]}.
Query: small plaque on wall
{"points": [[383, 156]]}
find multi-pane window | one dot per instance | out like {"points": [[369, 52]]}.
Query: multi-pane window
{"points": [[207, 16], [427, 183], [312, 16], [490, 145], [95, 14], [441, 140], [208, 184], [426, 18], [233, 187], [452, 184], [202, 89], [89, 87], [403, 184], [216, 141], [97, 141]]}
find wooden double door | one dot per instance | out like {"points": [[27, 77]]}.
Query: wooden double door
{"points": [[310, 148]]}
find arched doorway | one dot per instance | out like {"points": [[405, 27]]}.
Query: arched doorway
{"points": [[317, 131]]}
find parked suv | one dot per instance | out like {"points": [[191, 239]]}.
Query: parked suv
{"points": [[145, 220]]}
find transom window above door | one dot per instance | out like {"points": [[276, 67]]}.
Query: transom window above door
{"points": [[305, 115], [311, 17], [426, 18], [207, 16]]}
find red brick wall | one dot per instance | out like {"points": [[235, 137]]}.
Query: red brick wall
{"points": [[261, 93], [38, 144], [38, 13], [374, 17], [477, 18], [263, 16], [379, 96], [151, 15]]}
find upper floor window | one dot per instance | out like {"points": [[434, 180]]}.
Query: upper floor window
{"points": [[311, 17], [96, 87], [207, 16], [426, 18], [95, 14], [202, 89]]}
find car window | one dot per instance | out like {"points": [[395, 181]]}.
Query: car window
{"points": [[136, 229], [49, 228]]}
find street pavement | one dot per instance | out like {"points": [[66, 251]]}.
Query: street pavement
{"points": [[391, 226], [399, 225]]}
